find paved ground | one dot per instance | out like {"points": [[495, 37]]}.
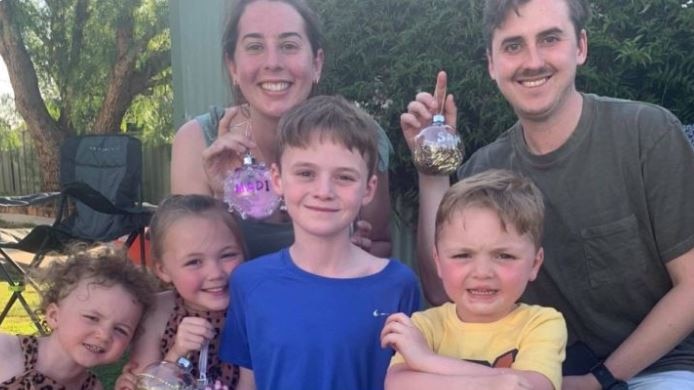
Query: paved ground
{"points": [[12, 234]]}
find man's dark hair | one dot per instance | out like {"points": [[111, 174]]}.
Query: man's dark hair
{"points": [[496, 12]]}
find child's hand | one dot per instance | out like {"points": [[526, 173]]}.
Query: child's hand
{"points": [[227, 150], [192, 333], [127, 379], [400, 333]]}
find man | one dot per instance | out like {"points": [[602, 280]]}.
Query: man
{"points": [[619, 242]]}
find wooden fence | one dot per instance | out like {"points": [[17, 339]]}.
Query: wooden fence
{"points": [[19, 171]]}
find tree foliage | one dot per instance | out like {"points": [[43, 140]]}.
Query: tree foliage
{"points": [[76, 66], [643, 50], [9, 124], [382, 52]]}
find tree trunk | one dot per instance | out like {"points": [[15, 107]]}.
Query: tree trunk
{"points": [[44, 130], [117, 99], [118, 96]]}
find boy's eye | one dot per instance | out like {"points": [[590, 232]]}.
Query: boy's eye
{"points": [[348, 178], [461, 256], [506, 256], [230, 255], [90, 317], [122, 331], [305, 174]]}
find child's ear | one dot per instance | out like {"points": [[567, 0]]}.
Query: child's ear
{"points": [[52, 316], [161, 271], [371, 187], [537, 262], [276, 178], [435, 255]]}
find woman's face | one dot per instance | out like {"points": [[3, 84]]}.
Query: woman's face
{"points": [[274, 64]]}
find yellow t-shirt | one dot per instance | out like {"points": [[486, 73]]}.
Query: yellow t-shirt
{"points": [[530, 338]]}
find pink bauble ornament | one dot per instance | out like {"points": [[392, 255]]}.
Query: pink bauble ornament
{"points": [[248, 192]]}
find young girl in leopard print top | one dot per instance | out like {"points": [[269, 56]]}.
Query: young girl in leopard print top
{"points": [[78, 303], [196, 243]]}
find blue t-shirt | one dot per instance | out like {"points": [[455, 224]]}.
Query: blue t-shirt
{"points": [[297, 330]]}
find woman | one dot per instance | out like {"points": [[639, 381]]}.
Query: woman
{"points": [[274, 56]]}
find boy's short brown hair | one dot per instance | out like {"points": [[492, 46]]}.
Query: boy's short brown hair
{"points": [[515, 199], [334, 118]]}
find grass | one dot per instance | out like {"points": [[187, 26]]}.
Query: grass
{"points": [[15, 225], [18, 322]]}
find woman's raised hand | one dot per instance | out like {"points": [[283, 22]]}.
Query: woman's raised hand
{"points": [[226, 152]]}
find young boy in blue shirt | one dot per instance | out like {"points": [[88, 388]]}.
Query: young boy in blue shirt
{"points": [[487, 248], [310, 316]]}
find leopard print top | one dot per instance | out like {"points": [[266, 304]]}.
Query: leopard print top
{"points": [[226, 373], [32, 379]]}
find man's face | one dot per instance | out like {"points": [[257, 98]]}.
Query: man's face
{"points": [[534, 56]]}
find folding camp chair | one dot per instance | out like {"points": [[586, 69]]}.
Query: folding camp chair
{"points": [[101, 180]]}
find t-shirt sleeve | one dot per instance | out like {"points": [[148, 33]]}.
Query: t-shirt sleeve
{"points": [[668, 168], [209, 122], [409, 299], [543, 346], [483, 159], [234, 347]]}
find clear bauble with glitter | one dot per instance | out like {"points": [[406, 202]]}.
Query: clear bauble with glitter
{"points": [[247, 190], [437, 151], [166, 376]]}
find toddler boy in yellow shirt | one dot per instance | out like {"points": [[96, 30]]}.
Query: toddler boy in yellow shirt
{"points": [[487, 248]]}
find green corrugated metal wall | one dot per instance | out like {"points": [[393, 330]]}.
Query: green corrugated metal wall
{"points": [[199, 78]]}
